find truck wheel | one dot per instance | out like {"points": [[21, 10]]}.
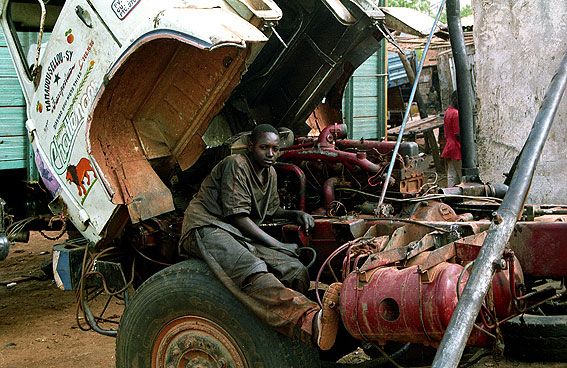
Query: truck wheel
{"points": [[183, 317], [536, 338]]}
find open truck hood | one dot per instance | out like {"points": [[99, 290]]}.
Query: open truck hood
{"points": [[149, 86], [321, 43], [145, 127]]}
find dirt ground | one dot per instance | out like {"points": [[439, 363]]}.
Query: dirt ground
{"points": [[38, 327], [37, 320]]}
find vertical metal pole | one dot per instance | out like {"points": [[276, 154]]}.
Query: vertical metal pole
{"points": [[382, 85], [465, 92], [503, 222]]}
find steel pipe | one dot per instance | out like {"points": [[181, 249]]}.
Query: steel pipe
{"points": [[503, 222], [469, 154], [329, 192], [331, 133], [331, 155]]}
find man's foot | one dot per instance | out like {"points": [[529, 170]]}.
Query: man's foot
{"points": [[326, 321]]}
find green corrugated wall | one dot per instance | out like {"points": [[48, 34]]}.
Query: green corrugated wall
{"points": [[15, 148], [364, 101], [14, 151]]}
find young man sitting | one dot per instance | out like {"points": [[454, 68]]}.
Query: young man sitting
{"points": [[221, 226]]}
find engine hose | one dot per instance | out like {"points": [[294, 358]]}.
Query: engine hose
{"points": [[313, 251], [389, 358]]}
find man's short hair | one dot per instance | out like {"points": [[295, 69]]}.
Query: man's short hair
{"points": [[260, 129]]}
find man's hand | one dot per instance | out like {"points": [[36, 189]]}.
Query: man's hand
{"points": [[249, 228], [305, 220]]}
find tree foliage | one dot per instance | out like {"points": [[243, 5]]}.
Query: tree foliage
{"points": [[421, 5], [425, 7], [465, 12]]}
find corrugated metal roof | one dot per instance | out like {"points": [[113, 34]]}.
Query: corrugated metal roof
{"points": [[410, 20], [396, 72]]}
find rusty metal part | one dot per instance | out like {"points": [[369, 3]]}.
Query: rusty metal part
{"points": [[497, 190], [330, 155], [156, 239], [401, 253], [330, 134], [415, 303], [545, 213], [409, 178], [329, 192], [160, 117], [458, 250], [194, 341], [300, 175], [366, 164], [406, 148], [434, 211], [357, 252], [529, 238], [395, 305]]}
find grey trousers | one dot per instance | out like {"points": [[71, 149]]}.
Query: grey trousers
{"points": [[269, 283]]}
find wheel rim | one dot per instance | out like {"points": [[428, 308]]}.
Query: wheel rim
{"points": [[198, 342]]}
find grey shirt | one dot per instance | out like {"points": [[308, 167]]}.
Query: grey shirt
{"points": [[232, 187]]}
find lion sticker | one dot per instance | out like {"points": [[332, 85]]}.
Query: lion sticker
{"points": [[77, 174]]}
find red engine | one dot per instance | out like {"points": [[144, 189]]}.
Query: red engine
{"points": [[331, 161]]}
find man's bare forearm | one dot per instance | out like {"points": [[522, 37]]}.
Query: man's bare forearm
{"points": [[285, 214], [253, 231]]}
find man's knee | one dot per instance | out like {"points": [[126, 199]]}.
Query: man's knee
{"points": [[296, 276]]}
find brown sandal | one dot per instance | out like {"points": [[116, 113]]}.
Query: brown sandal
{"points": [[327, 319]]}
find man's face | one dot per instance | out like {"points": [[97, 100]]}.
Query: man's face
{"points": [[265, 150]]}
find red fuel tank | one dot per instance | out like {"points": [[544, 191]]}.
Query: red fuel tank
{"points": [[394, 305]]}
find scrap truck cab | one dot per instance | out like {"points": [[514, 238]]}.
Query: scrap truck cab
{"points": [[131, 103]]}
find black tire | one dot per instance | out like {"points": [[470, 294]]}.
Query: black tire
{"points": [[183, 314], [536, 338]]}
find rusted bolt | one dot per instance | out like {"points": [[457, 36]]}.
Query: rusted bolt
{"points": [[496, 218], [221, 363], [175, 351], [188, 344], [499, 264]]}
